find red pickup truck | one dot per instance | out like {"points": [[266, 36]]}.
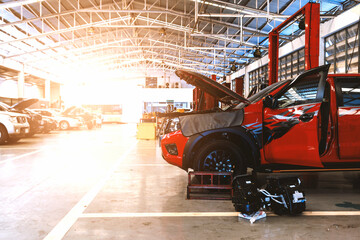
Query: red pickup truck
{"points": [[310, 122]]}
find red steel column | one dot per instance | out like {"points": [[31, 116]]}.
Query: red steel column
{"points": [[311, 12], [195, 97], [210, 101], [273, 57], [312, 35], [239, 86]]}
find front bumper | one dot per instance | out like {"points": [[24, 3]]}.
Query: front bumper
{"points": [[172, 141], [76, 123], [19, 131]]}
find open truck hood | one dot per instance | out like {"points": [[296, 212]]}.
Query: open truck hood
{"points": [[25, 104], [68, 110], [215, 89]]}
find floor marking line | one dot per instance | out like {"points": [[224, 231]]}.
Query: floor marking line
{"points": [[164, 214], [331, 213], [59, 231], [17, 148], [208, 214], [20, 156], [147, 165]]}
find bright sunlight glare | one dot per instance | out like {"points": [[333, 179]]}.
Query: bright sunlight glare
{"points": [[90, 87]]}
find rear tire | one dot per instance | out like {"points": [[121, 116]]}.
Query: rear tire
{"points": [[3, 134]]}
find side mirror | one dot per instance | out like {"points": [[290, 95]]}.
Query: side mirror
{"points": [[269, 102]]}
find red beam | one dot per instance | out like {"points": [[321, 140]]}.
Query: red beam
{"points": [[312, 35], [311, 12], [210, 101], [273, 57], [239, 86]]}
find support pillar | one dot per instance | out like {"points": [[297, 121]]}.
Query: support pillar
{"points": [[48, 90], [273, 57], [21, 84], [311, 13], [239, 86], [312, 35], [210, 101]]}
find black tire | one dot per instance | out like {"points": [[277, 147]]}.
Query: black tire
{"points": [[3, 134], [220, 156], [64, 125]]}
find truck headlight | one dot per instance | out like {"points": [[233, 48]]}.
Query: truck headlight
{"points": [[13, 119], [173, 125]]}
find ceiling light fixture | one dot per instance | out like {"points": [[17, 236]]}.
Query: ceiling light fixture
{"points": [[257, 52], [233, 67], [302, 24], [162, 32], [91, 31]]}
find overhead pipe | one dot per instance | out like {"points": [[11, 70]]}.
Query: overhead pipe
{"points": [[230, 15]]}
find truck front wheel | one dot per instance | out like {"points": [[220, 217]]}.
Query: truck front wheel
{"points": [[3, 134], [220, 156]]}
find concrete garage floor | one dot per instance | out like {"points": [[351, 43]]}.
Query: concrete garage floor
{"points": [[105, 184]]}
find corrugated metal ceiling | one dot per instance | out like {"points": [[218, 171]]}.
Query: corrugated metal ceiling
{"points": [[131, 35]]}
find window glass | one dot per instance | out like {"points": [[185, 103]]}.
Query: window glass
{"points": [[258, 78], [302, 92], [350, 89], [352, 49], [342, 50], [291, 65]]}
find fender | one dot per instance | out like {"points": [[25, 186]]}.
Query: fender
{"points": [[246, 136]]}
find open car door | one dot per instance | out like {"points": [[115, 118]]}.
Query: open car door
{"points": [[291, 121]]}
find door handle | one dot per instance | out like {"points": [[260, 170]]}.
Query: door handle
{"points": [[306, 117]]}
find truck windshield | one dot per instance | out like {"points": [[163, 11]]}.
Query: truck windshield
{"points": [[258, 96]]}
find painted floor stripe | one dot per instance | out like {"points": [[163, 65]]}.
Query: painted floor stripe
{"points": [[18, 148], [331, 213], [59, 231], [147, 165], [209, 214], [164, 214], [20, 156]]}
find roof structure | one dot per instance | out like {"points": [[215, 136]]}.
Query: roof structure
{"points": [[113, 36]]}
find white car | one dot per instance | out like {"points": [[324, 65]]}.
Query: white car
{"points": [[13, 126], [64, 123]]}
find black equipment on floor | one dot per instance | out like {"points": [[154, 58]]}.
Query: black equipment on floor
{"points": [[282, 194], [246, 198], [290, 196]]}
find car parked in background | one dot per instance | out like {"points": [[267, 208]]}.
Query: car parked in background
{"points": [[63, 123], [75, 112], [34, 119], [48, 124], [13, 126], [310, 122]]}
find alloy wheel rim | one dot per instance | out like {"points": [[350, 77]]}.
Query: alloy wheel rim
{"points": [[218, 161], [63, 126]]}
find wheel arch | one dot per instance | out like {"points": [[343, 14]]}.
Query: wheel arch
{"points": [[237, 135]]}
